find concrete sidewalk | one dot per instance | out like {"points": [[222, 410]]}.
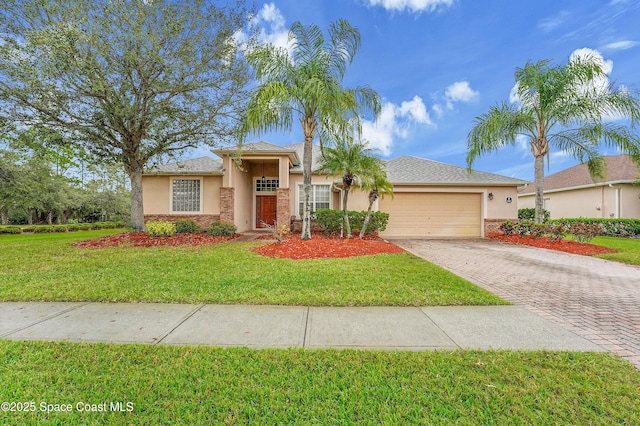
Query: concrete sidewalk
{"points": [[388, 328]]}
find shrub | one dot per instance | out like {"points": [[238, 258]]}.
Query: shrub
{"points": [[73, 227], [10, 230], [537, 230], [523, 228], [331, 221], [585, 232], [187, 226], [161, 229], [278, 231], [555, 231], [84, 227], [508, 226], [221, 229], [530, 214], [610, 227], [60, 228], [43, 229]]}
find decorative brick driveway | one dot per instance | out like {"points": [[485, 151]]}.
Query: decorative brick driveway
{"points": [[594, 298]]}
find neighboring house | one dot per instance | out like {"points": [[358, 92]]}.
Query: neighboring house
{"points": [[431, 199], [572, 192]]}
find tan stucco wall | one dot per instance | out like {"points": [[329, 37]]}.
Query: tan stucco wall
{"points": [[242, 198], [156, 192], [595, 202]]}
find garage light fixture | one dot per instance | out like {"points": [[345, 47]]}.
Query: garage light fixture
{"points": [[491, 196]]}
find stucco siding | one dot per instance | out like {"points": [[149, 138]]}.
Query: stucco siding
{"points": [[156, 193]]}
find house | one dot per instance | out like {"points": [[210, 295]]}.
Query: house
{"points": [[573, 193], [263, 183]]}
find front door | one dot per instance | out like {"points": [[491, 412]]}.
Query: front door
{"points": [[265, 210]]}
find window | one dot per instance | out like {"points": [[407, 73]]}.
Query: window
{"points": [[185, 195], [267, 185], [319, 198]]}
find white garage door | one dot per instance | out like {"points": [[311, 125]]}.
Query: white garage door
{"points": [[433, 214]]}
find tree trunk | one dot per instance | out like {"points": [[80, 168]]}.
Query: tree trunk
{"points": [[309, 125], [539, 179], [4, 217], [367, 218], [137, 210], [345, 212], [49, 217]]}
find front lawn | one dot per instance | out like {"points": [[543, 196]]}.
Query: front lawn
{"points": [[43, 267], [201, 385], [628, 249]]}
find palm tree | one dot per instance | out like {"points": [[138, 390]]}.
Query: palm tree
{"points": [[353, 161], [564, 107], [307, 82], [378, 186]]}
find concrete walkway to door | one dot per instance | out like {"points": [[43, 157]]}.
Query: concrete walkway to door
{"points": [[594, 298]]}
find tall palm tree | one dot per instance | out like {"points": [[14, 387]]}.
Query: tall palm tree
{"points": [[353, 161], [564, 107], [306, 82], [378, 186]]}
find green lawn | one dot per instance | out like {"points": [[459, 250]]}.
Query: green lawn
{"points": [[628, 249], [42, 267], [202, 385]]}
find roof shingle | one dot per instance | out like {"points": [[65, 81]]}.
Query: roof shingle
{"points": [[619, 168]]}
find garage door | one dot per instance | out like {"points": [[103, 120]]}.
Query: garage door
{"points": [[433, 214]]}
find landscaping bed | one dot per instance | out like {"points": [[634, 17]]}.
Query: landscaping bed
{"points": [[567, 246], [322, 246], [142, 239]]}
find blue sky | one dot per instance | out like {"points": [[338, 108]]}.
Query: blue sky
{"points": [[438, 64]]}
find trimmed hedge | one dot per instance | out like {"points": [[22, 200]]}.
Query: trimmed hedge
{"points": [[221, 229], [72, 227], [609, 227], [331, 221], [10, 230]]}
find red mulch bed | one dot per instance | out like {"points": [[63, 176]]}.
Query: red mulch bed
{"points": [[321, 246], [142, 239], [562, 245]]}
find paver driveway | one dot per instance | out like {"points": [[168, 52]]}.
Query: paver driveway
{"points": [[594, 298]]}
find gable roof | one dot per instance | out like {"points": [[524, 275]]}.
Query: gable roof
{"points": [[299, 149], [620, 169], [261, 148], [411, 170], [202, 165]]}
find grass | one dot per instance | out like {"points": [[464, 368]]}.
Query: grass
{"points": [[628, 249], [43, 267], [201, 385]]}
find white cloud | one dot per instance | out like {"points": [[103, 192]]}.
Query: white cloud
{"points": [[412, 5], [620, 45], [553, 22], [460, 91], [270, 25], [395, 121]]}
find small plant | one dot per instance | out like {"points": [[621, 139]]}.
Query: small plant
{"points": [[278, 231], [555, 231], [508, 226], [161, 229], [187, 226], [523, 228], [73, 227], [60, 228], [585, 232], [221, 229], [537, 230]]}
